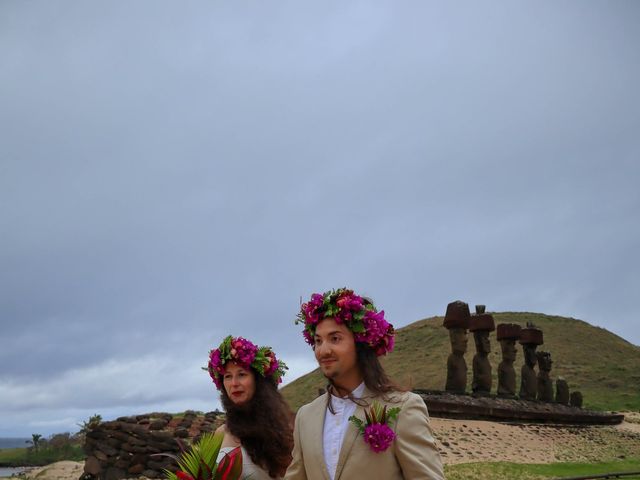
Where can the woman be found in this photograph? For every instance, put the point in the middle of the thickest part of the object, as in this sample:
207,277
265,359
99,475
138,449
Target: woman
258,418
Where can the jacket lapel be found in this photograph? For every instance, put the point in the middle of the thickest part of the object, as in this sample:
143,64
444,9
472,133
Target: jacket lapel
316,429
351,435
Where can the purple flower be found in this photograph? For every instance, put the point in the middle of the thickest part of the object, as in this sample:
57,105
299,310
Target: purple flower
378,332
273,364
350,301
386,344
308,337
349,309
378,436
243,352
215,367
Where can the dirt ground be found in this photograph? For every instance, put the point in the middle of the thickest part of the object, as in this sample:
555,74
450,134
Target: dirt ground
461,441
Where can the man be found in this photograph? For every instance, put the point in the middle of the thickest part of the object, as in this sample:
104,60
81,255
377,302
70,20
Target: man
348,334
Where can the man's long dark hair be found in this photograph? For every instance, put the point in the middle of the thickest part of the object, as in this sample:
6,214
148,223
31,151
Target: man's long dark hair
263,425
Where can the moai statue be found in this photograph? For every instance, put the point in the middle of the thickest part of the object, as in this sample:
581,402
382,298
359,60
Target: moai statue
576,399
545,384
507,334
562,391
456,320
481,324
530,338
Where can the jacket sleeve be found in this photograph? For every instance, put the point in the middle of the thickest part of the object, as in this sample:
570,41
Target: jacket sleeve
296,470
415,447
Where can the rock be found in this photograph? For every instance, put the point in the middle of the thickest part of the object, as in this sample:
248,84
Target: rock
136,469
113,473
158,424
100,455
92,465
128,419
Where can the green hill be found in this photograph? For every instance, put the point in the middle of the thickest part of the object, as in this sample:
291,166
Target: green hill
603,366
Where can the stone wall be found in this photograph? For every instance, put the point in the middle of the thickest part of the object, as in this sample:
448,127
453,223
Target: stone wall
125,448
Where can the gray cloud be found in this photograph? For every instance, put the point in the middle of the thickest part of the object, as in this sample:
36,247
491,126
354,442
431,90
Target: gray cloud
170,174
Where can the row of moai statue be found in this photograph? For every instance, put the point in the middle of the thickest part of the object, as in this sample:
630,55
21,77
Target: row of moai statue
532,386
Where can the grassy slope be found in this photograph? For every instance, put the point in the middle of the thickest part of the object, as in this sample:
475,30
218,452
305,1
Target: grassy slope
508,471
603,366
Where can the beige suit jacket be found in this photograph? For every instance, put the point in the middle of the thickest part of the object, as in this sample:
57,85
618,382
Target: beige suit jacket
412,456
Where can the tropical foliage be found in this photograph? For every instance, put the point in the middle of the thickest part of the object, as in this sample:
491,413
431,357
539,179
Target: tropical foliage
199,461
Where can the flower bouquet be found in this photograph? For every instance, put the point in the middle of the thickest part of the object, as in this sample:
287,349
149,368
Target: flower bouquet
376,431
199,461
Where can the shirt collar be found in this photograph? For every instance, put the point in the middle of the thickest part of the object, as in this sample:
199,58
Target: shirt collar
357,393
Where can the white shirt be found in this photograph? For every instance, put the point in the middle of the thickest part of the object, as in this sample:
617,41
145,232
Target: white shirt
335,426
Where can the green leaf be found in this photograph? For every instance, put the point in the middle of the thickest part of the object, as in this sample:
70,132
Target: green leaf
201,458
392,414
169,475
377,412
357,422
357,327
368,417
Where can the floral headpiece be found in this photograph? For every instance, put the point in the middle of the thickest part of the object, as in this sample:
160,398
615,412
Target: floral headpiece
247,355
357,313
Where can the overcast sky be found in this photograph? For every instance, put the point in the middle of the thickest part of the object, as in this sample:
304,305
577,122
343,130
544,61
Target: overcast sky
173,172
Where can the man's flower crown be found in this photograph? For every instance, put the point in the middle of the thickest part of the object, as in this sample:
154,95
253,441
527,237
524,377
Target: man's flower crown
246,354
357,313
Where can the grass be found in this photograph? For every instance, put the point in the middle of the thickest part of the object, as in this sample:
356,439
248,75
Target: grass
603,366
25,457
10,456
508,471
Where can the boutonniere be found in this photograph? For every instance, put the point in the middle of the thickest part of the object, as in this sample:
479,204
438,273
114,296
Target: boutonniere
376,431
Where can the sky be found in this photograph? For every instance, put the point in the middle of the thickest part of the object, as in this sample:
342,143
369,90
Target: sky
174,172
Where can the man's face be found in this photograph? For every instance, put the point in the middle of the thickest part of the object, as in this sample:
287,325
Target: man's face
335,350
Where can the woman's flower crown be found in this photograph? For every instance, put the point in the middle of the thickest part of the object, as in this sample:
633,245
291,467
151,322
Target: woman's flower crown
357,313
246,354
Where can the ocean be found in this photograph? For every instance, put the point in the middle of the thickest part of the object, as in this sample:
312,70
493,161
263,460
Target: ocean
7,472
13,442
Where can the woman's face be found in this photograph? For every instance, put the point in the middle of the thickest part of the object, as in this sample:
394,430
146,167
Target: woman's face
239,383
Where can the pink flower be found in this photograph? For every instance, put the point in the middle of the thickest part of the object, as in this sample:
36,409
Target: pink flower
215,367
307,336
378,436
385,345
350,301
378,332
349,309
273,364
243,352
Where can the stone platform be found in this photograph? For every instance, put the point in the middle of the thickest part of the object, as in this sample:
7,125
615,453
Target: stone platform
448,405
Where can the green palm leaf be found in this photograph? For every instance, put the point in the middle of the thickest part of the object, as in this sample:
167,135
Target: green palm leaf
200,460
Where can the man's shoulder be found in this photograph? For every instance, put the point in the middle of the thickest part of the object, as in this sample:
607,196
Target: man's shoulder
395,397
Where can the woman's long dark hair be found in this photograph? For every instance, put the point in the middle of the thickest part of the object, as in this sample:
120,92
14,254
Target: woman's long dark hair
263,425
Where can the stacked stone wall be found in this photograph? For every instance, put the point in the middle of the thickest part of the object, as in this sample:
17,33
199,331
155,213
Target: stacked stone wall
127,447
